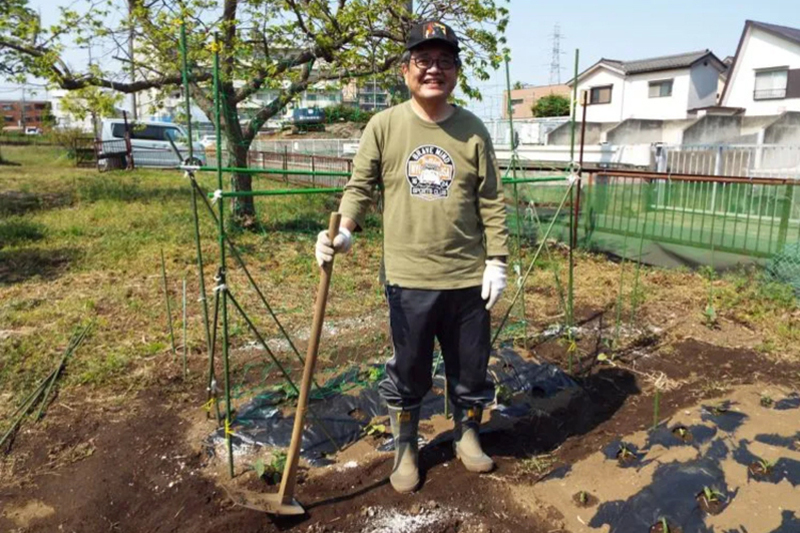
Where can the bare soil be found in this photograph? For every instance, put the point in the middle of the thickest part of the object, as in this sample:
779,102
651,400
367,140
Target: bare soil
117,464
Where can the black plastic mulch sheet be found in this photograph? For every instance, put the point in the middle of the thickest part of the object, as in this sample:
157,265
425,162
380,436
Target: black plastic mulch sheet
261,421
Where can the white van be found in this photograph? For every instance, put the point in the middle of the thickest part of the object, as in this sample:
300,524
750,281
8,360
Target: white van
150,142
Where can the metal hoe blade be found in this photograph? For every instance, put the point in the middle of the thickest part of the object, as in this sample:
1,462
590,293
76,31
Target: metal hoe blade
266,503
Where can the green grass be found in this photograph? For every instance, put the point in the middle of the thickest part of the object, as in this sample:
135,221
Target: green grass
17,230
78,245
95,253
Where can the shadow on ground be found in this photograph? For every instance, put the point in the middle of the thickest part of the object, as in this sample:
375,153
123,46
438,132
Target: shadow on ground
21,265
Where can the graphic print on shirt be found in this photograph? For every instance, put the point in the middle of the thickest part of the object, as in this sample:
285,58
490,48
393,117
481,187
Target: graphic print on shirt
430,171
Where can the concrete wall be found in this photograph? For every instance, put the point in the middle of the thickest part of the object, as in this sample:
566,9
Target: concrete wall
635,131
639,155
704,84
709,129
785,130
638,103
611,112
672,130
761,50
563,134
530,131
712,129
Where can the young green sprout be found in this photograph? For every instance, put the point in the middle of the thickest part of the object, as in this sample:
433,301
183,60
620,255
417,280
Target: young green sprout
583,497
625,452
766,465
719,409
766,400
260,467
710,316
375,373
375,429
712,495
682,431
664,525
504,395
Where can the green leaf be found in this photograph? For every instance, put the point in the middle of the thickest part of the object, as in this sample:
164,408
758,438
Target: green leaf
260,467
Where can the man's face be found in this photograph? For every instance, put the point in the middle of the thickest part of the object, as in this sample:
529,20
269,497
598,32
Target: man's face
431,74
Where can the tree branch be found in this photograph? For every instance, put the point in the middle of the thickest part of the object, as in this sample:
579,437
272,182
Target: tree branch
278,103
388,63
255,84
300,21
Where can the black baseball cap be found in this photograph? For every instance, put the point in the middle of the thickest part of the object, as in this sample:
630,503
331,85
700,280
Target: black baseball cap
432,30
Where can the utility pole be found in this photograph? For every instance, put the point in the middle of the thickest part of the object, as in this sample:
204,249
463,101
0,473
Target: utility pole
94,115
132,57
22,111
374,90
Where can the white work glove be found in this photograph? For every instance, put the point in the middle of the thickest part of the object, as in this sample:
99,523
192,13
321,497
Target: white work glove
324,249
494,282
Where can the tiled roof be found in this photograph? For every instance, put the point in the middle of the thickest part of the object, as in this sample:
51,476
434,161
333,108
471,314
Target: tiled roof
663,63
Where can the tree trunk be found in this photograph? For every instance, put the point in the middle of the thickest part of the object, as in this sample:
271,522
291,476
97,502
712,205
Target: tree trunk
244,210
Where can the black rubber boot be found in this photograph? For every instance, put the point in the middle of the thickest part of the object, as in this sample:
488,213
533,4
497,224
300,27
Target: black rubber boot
405,424
466,441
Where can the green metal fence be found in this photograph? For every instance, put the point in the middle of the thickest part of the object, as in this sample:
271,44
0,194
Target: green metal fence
754,219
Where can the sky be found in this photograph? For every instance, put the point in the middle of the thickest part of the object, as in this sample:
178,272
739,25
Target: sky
615,29
624,30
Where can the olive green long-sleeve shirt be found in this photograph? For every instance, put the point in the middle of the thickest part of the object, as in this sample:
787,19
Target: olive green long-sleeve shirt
444,212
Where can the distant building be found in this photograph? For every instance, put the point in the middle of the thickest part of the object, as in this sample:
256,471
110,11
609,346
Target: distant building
659,88
66,120
522,100
171,107
372,97
764,77
21,114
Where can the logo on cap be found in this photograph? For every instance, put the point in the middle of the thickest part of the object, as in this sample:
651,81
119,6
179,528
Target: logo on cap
435,29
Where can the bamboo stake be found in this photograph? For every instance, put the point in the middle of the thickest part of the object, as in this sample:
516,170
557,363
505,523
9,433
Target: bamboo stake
73,345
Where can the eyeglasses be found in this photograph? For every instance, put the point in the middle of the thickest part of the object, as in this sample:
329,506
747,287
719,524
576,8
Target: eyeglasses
443,62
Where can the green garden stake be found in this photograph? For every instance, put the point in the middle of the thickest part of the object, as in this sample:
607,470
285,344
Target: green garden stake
169,308
221,288
570,280
184,328
531,265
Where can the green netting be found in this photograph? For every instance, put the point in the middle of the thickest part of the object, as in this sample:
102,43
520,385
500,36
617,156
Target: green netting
670,223
784,267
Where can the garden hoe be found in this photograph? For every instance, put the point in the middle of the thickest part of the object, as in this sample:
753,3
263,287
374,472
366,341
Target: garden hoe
283,503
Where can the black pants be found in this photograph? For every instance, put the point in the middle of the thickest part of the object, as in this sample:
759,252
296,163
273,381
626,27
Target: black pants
459,320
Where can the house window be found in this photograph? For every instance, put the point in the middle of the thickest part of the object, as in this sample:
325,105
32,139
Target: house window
517,101
660,89
771,84
9,118
8,107
600,95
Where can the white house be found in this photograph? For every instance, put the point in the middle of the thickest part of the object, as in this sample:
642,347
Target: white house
765,76
65,119
659,88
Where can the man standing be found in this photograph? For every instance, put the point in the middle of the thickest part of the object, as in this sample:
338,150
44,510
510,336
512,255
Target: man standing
445,245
